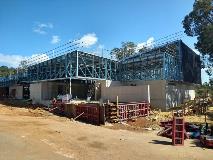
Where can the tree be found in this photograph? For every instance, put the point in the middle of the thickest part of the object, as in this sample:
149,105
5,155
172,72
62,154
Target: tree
22,66
199,23
205,90
127,49
5,71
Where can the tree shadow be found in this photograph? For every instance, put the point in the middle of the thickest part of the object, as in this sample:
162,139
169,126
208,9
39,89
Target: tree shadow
210,115
27,104
21,103
196,143
161,142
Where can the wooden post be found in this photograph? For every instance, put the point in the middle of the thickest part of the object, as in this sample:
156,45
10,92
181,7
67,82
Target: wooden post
117,108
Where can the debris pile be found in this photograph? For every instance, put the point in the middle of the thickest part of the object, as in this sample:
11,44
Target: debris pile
198,106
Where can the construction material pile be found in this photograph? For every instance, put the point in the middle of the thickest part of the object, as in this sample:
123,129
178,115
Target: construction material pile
198,106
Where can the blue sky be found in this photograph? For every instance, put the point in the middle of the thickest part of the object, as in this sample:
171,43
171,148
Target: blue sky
29,27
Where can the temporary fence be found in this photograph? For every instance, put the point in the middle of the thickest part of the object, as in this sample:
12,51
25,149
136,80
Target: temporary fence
94,113
126,111
133,110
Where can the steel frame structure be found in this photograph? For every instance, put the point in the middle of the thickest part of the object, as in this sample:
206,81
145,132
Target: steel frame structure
73,65
171,61
159,63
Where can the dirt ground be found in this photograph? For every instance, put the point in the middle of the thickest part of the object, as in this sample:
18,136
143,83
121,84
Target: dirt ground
32,134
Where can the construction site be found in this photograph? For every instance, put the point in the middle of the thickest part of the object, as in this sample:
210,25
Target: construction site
136,105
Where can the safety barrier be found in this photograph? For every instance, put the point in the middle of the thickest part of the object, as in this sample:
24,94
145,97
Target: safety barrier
133,110
89,113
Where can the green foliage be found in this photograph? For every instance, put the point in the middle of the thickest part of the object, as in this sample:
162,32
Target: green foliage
205,90
5,71
22,66
199,22
127,49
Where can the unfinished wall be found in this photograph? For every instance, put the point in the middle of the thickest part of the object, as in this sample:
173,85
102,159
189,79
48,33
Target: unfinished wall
16,91
35,92
110,91
49,90
43,92
157,91
163,94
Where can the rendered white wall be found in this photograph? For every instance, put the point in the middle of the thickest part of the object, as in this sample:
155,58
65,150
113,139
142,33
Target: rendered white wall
110,91
156,89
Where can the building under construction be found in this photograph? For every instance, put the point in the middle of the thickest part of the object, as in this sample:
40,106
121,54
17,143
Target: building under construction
165,75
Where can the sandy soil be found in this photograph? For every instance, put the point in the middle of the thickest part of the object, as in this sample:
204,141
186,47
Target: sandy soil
27,134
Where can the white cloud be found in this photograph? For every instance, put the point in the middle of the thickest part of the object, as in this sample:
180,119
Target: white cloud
149,44
41,28
140,45
88,40
10,60
55,39
13,60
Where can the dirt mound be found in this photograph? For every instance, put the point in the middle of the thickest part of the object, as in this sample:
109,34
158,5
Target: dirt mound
15,111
